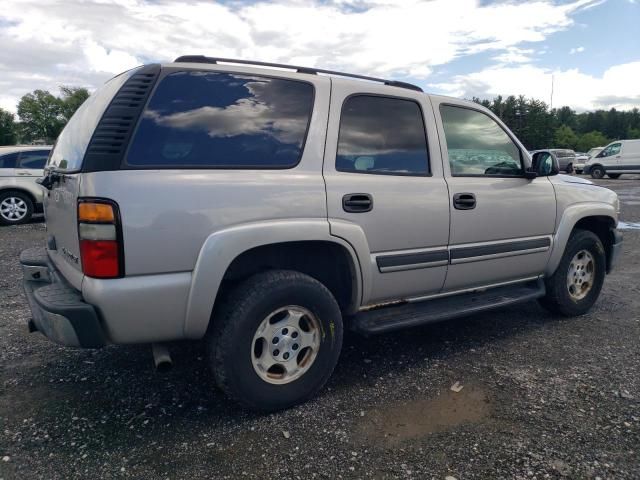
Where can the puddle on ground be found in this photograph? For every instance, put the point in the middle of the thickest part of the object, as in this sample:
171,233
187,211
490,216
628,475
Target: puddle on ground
628,225
393,424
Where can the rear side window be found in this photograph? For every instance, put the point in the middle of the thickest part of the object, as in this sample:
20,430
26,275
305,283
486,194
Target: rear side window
34,159
72,143
223,120
477,145
382,135
9,160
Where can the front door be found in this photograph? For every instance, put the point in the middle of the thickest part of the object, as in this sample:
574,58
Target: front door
501,222
385,188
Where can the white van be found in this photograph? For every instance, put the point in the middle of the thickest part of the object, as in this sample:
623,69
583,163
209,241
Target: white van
621,156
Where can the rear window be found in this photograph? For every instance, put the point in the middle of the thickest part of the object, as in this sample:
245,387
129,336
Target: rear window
34,159
74,139
223,120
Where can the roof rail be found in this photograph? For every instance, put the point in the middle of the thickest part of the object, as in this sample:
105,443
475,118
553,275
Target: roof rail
312,71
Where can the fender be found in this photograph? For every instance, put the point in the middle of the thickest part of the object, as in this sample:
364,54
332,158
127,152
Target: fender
224,246
572,215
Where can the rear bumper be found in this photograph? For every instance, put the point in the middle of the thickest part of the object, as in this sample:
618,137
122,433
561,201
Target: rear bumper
616,248
58,310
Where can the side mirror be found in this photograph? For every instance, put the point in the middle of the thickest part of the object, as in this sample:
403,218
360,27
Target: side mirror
544,164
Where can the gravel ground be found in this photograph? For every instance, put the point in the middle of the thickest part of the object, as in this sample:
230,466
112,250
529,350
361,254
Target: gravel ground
542,397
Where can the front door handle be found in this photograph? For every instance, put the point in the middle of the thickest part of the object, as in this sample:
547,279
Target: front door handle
22,172
357,202
464,201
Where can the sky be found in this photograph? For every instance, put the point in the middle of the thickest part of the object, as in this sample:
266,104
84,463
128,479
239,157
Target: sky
462,48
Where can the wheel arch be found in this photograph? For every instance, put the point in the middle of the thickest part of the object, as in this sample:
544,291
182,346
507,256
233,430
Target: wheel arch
598,218
234,254
13,188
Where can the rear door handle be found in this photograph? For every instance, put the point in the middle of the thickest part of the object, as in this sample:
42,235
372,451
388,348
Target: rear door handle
22,172
357,202
464,201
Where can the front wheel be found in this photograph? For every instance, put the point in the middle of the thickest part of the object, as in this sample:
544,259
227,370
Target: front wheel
575,286
275,340
597,172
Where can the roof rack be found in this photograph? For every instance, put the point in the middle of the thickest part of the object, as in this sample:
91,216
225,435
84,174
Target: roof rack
312,71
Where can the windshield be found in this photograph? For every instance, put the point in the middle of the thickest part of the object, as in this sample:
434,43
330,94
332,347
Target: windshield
74,139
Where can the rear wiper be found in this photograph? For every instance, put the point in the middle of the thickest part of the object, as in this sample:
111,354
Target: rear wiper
49,179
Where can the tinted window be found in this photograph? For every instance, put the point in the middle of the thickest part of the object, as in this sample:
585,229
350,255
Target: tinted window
74,139
9,160
477,145
223,120
382,135
35,159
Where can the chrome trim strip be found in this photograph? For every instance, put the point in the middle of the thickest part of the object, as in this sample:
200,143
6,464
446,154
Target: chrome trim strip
413,266
512,253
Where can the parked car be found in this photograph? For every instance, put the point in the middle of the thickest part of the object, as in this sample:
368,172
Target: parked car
582,159
265,209
20,195
617,158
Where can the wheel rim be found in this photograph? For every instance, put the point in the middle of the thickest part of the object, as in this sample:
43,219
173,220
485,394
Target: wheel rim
285,344
581,275
13,209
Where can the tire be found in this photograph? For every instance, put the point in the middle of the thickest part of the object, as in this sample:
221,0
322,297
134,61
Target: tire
559,298
238,348
597,171
614,175
569,168
15,208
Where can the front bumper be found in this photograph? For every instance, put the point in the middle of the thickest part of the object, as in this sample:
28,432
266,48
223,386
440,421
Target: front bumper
58,309
616,248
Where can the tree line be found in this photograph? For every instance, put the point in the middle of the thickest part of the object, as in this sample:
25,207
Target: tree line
42,116
537,126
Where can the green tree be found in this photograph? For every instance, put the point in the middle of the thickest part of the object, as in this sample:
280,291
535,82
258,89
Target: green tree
7,128
565,137
40,116
587,141
72,98
633,133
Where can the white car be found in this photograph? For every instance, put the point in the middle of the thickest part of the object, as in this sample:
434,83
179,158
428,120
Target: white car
20,195
621,156
581,159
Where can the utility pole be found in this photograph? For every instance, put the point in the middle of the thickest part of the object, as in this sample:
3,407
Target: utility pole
551,106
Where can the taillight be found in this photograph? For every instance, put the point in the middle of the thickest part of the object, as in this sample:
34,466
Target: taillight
100,238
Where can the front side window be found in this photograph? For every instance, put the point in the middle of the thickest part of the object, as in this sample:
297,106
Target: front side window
35,159
477,145
612,149
9,160
209,119
382,135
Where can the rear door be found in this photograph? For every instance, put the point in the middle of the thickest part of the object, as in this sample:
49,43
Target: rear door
384,178
501,222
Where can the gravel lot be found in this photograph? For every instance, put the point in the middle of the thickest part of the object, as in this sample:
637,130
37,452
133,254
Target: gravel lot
542,397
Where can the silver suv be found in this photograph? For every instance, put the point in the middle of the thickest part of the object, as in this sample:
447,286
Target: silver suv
265,209
20,195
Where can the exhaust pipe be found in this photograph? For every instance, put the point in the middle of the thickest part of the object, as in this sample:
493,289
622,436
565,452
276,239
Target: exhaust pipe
161,357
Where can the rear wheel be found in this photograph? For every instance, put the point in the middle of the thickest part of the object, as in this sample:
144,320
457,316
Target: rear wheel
569,168
575,286
597,171
614,175
15,208
275,340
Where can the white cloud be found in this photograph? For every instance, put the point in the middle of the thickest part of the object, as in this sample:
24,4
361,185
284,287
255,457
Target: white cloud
617,87
576,50
83,42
